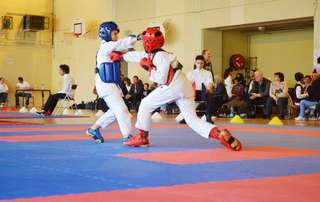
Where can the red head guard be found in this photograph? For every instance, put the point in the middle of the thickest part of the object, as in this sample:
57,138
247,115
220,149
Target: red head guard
152,39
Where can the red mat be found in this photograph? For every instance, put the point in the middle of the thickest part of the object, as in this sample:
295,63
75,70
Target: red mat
17,123
220,155
53,128
45,138
275,131
302,188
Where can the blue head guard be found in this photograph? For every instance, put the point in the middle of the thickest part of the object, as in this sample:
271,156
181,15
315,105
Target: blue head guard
105,30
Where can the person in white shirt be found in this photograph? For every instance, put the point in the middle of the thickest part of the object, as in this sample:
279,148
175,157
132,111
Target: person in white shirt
228,81
3,91
52,101
200,78
22,85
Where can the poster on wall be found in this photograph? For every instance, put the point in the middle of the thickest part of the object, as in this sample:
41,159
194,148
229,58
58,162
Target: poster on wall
316,60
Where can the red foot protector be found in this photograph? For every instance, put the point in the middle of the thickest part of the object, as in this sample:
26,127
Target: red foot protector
138,140
275,189
221,155
45,138
231,142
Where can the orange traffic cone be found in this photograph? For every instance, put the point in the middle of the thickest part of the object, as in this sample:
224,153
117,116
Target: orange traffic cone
13,109
4,108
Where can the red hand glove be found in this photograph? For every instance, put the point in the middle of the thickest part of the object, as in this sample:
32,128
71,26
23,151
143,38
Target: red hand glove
146,64
116,56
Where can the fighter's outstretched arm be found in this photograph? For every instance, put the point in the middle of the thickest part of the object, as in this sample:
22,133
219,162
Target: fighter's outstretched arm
121,45
134,56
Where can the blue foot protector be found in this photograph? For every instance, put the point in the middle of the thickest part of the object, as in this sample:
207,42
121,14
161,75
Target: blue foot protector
96,135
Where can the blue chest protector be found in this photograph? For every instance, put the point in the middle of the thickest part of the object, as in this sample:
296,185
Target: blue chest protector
109,72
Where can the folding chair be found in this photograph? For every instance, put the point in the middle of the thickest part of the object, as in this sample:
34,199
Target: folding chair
67,102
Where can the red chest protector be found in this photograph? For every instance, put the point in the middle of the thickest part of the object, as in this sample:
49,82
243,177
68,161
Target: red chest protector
147,64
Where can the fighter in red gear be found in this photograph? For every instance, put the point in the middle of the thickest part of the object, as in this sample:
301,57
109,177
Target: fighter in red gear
165,70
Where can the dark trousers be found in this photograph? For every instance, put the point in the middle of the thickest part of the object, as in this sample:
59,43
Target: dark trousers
253,103
282,104
3,97
201,95
133,102
52,102
213,105
24,95
318,110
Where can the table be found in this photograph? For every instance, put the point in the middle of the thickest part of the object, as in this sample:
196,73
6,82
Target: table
36,90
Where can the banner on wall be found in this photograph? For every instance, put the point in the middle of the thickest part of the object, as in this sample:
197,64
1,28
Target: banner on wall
316,60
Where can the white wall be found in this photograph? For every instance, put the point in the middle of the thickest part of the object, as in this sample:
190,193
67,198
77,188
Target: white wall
187,19
26,54
79,53
212,40
287,52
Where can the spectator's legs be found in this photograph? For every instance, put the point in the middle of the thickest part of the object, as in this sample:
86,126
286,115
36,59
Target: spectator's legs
198,94
17,95
52,102
269,104
27,96
282,104
318,110
263,101
213,106
305,104
3,97
251,107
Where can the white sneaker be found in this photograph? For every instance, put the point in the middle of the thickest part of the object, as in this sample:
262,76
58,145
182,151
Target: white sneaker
299,118
23,110
33,110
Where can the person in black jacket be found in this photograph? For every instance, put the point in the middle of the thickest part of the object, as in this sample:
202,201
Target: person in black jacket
259,93
146,90
312,100
135,93
299,89
216,98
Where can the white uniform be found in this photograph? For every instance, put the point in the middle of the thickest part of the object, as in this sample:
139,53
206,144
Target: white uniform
179,91
67,85
228,84
199,77
3,88
111,92
23,86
